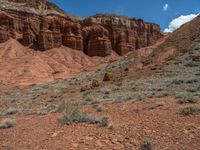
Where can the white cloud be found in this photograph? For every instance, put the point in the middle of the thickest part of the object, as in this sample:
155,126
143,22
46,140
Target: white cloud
165,7
177,22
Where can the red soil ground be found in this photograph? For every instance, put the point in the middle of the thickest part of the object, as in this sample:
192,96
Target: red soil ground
156,119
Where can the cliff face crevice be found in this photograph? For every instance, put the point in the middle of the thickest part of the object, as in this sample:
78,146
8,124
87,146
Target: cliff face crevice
95,36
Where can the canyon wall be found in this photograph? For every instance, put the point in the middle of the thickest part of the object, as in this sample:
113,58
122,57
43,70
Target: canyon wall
95,36
125,34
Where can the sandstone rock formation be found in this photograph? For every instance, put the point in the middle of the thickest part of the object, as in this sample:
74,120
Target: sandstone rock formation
95,36
96,41
72,36
126,34
49,35
6,26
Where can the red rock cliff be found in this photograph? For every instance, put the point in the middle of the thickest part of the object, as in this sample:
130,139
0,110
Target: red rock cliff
126,34
96,36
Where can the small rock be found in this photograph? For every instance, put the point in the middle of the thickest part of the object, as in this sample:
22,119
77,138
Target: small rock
75,145
99,144
54,134
186,131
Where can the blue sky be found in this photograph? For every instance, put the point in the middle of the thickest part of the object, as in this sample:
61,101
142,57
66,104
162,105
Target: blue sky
149,10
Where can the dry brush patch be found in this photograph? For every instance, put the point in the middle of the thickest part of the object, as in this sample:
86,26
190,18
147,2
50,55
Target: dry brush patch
146,144
190,110
7,123
74,114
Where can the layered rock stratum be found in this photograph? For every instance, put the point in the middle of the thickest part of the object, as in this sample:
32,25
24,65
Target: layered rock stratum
42,25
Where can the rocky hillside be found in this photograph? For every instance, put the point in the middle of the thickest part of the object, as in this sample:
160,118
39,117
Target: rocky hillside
37,3
34,6
43,26
178,41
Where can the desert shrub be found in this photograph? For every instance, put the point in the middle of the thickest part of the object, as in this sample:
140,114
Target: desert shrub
147,61
7,123
197,74
89,101
41,113
73,114
2,113
141,97
85,88
11,111
45,86
68,107
191,81
146,144
34,96
186,100
106,91
159,89
124,98
162,94
181,95
98,70
191,64
71,108
103,121
186,97
192,89
82,117
51,106
60,107
106,97
87,93
191,110
177,81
